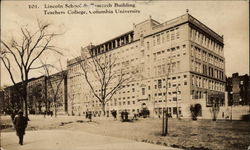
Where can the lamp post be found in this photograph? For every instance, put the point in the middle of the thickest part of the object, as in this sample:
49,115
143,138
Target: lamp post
177,109
231,106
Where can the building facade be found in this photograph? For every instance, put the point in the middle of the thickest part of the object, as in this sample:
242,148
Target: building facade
57,93
238,89
13,97
2,103
177,63
41,94
37,95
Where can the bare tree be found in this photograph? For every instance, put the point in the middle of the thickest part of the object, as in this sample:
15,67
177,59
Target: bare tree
104,75
23,53
54,82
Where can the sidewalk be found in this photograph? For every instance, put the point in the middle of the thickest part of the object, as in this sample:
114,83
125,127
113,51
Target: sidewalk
71,140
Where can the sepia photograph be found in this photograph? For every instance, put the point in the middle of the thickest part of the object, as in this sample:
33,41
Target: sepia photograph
124,75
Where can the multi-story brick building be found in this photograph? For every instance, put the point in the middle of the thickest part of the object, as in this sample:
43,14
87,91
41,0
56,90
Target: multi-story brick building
37,95
13,97
238,89
180,63
41,91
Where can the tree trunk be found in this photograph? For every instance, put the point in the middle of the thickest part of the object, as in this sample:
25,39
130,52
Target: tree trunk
103,109
54,107
25,97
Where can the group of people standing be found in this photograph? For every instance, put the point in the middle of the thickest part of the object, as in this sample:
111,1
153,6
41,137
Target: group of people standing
124,115
48,113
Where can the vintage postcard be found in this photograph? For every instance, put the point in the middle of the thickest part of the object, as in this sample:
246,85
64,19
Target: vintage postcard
81,74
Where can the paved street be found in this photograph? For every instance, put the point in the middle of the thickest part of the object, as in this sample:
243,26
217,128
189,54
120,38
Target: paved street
71,140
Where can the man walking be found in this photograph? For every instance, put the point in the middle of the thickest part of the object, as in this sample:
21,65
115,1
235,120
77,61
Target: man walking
20,123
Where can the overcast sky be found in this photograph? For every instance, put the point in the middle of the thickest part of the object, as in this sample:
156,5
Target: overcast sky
228,18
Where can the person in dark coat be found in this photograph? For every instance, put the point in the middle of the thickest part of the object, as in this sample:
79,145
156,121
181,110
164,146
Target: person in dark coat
122,115
126,115
20,123
90,116
87,115
115,114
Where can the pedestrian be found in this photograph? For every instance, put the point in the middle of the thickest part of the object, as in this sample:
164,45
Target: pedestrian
122,116
20,123
115,114
90,116
86,115
126,115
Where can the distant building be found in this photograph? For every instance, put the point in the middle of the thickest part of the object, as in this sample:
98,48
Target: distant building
13,97
2,103
182,55
57,90
238,89
37,92
41,91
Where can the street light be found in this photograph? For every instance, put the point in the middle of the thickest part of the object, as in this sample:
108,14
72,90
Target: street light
177,109
231,106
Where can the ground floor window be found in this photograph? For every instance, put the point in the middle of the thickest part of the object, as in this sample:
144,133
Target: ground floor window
174,110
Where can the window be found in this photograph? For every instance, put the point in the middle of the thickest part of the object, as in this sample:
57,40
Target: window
173,49
174,110
158,40
172,35
167,36
169,85
163,69
159,84
163,38
143,91
142,39
177,33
